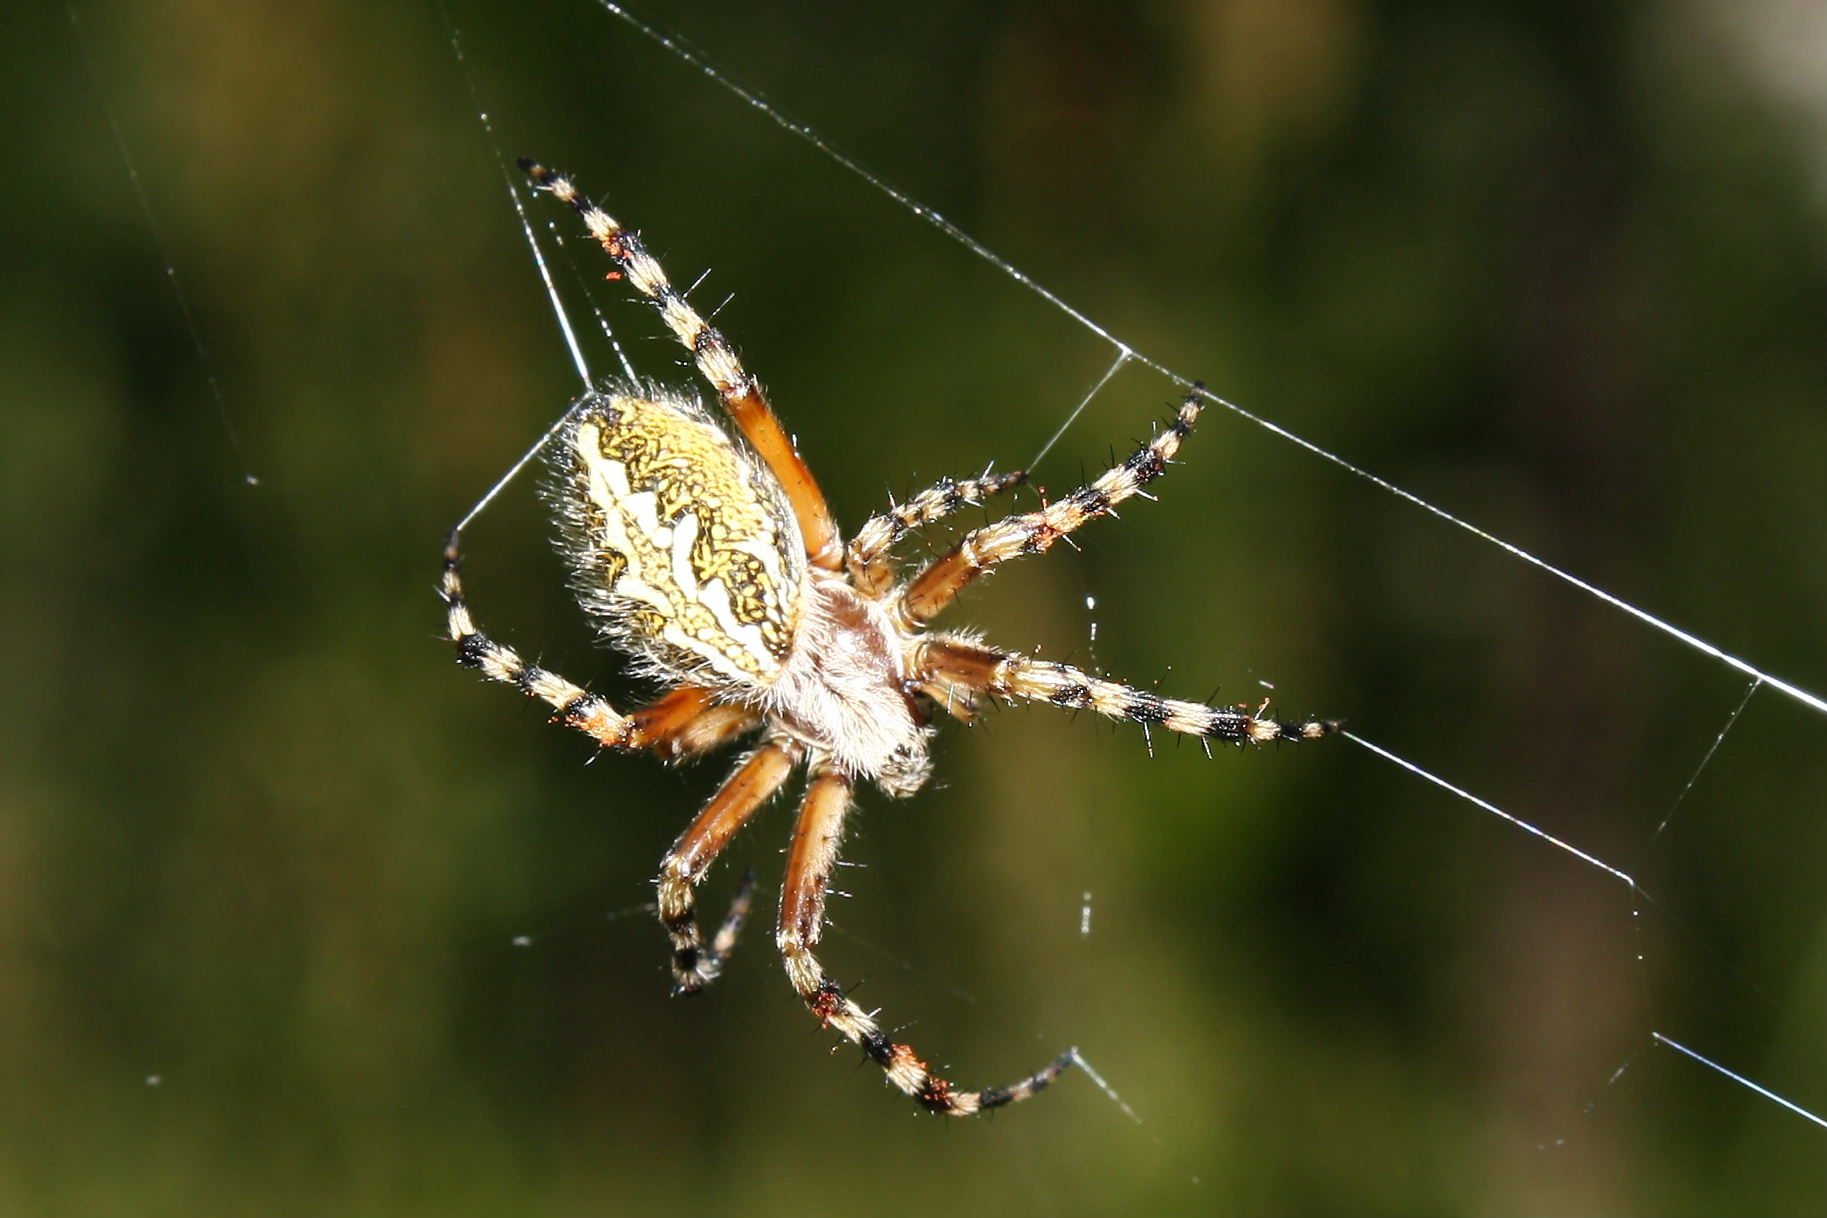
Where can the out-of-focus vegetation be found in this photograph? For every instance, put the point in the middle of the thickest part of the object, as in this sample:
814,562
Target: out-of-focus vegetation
296,917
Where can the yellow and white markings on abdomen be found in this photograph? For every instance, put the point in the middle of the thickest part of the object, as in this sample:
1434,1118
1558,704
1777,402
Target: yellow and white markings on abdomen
684,545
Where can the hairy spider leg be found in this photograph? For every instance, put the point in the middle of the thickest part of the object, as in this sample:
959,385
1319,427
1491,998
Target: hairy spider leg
680,724
802,915
756,778
740,392
982,550
871,568
688,721
950,664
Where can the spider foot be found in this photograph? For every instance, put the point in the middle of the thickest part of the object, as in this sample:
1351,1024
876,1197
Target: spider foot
940,1097
1028,1086
1262,729
694,965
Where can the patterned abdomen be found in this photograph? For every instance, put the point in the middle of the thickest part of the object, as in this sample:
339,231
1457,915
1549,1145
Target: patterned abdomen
681,544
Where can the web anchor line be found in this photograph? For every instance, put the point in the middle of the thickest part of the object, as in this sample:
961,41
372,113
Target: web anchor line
1116,365
1517,821
1688,787
1616,873
572,344
1127,351
205,360
1741,1080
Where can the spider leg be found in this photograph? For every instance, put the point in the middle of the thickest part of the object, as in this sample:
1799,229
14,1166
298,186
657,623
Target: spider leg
760,774
981,550
949,663
871,571
740,393
686,722
681,724
802,914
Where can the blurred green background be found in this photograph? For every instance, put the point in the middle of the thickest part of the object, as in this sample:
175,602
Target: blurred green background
296,917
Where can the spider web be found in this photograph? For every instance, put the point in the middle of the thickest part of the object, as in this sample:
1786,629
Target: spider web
1636,900
1692,1026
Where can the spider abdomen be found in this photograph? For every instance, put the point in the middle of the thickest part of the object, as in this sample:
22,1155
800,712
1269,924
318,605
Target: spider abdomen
681,544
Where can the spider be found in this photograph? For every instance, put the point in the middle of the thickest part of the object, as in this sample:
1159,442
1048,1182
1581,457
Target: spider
712,560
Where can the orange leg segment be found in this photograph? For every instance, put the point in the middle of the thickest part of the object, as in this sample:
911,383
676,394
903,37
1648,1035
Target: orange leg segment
695,965
739,392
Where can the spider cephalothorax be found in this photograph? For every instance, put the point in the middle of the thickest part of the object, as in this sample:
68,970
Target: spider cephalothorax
712,559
